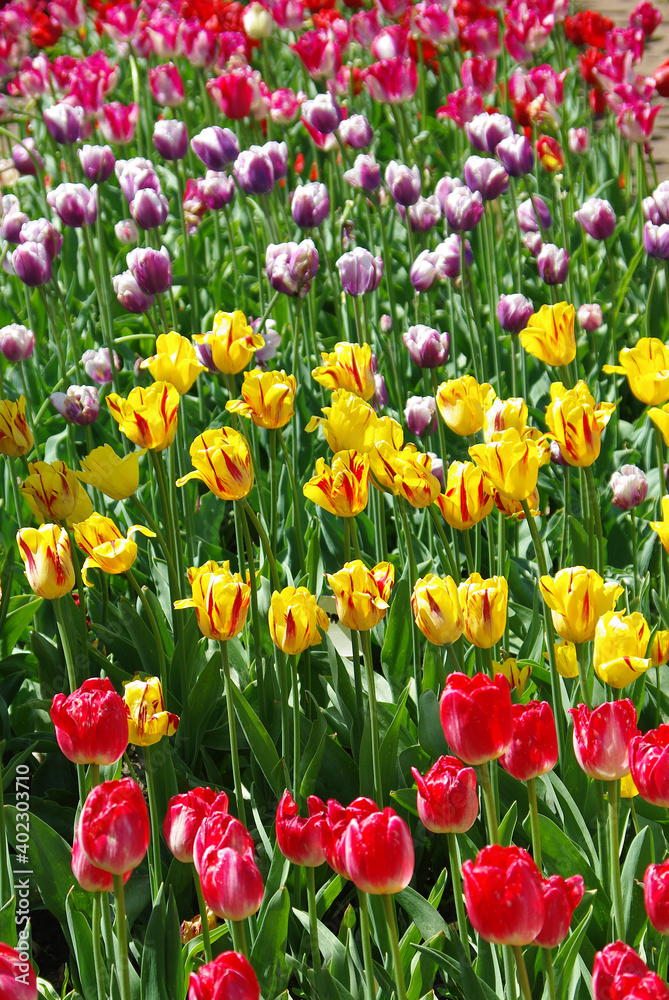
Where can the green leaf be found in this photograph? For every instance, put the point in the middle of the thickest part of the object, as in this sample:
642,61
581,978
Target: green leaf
427,919
508,825
568,953
629,872
389,745
202,701
82,946
259,740
20,612
156,946
6,585
269,945
397,648
430,730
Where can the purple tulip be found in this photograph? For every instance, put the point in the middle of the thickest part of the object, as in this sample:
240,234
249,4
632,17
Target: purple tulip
527,213
427,347
359,271
290,267
272,339
151,269
278,154
11,225
356,132
365,173
557,458
42,231
32,263
487,176
310,205
656,240
486,131
129,294
424,215
170,139
216,147
463,209
651,211
127,232
322,113
403,183
97,162
79,405
444,187
516,155
437,468
629,487
17,342
380,390
533,242
597,218
149,209
420,414
26,158
553,264
97,365
254,171
661,200
218,189
590,316
134,175
450,256
64,123
513,312
425,270
74,204
385,323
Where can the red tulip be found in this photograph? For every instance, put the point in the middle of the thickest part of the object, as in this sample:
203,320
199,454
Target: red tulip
616,971
392,81
378,853
185,814
89,877
301,840
651,987
602,738
118,122
233,93
476,716
649,765
17,976
114,826
220,829
503,895
656,896
338,819
447,800
229,977
561,897
91,723
232,885
534,748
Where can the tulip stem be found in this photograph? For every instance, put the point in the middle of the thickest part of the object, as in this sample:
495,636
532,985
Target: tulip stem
413,574
238,936
155,527
614,851
296,506
534,821
391,924
583,673
373,718
483,771
297,748
444,541
232,726
522,972
153,625
370,980
549,972
262,534
255,620
97,950
274,488
65,640
202,906
155,868
594,506
122,966
456,879
313,925
659,451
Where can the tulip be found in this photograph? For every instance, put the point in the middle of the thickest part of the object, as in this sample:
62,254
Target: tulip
534,748
365,173
310,205
301,840
476,716
436,609
17,342
12,225
343,488
148,721
420,414
17,976
486,131
118,122
294,620
649,765
362,595
553,264
170,140
290,267
64,123
503,895
406,473
218,189
533,215
232,886
229,975
89,877
220,829
15,436
360,272
221,600
51,490
514,312
97,364
447,801
427,347
463,209
566,659
136,174
515,675
511,462
597,217
148,417
348,367
466,499
656,896
254,171
216,147
579,141
578,597
222,461
185,814
79,405
590,317
620,648
267,398
32,263
175,362
129,294
105,547
656,241
577,423
617,969
47,557
91,723
549,334
114,826
506,414
516,155
483,604
322,113
561,897
646,366
403,183
151,269
486,176
232,342
27,158
74,204
378,853
356,132
166,85
338,819
116,477
602,738
462,403
349,423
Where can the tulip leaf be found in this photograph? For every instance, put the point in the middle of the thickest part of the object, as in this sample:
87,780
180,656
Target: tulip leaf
397,648
313,756
204,696
459,969
20,612
427,919
628,875
389,746
82,946
508,825
563,857
260,741
8,922
153,982
568,953
329,943
141,635
430,730
6,584
268,953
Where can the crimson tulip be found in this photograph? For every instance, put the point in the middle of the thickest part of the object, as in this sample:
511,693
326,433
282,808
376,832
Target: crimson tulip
447,800
476,716
503,895
114,826
17,976
338,818
561,897
232,885
184,816
602,738
649,765
301,840
378,853
220,829
656,896
89,877
534,748
91,723
617,969
229,977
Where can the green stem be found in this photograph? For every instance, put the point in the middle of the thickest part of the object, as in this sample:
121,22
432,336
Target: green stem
444,541
297,748
156,868
122,966
614,851
296,505
413,574
391,924
255,619
549,972
232,726
534,821
202,906
153,625
453,857
160,538
581,659
262,534
238,936
594,506
274,488
483,771
313,925
97,950
373,716
522,973
370,981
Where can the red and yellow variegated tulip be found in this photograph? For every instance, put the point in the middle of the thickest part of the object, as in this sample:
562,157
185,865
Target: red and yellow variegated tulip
342,488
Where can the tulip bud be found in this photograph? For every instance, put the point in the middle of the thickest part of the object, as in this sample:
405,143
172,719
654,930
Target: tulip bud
533,749
361,594
534,215
290,267
218,189
97,162
602,738
579,141
590,317
516,155
359,271
64,122
356,132
216,147
75,204
167,88
310,205
484,175
17,342
26,158
258,21
47,556
148,721
420,414
12,225
403,183
436,609
91,723
463,209
629,487
365,173
514,312
232,885
151,269
127,232
484,604
486,131
476,716
114,826
44,232
427,347
32,264
229,975
378,853
322,113
170,139
561,897
254,171
597,218
149,209
656,896
301,840
447,800
503,895
79,405
553,264
294,620
129,294
185,814
656,241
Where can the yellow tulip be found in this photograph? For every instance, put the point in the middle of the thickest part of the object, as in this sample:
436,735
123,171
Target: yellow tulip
106,471
220,598
15,436
511,463
515,675
105,547
659,649
627,787
148,417
662,527
621,642
462,403
223,462
175,361
577,422
646,366
294,620
148,721
348,425
362,594
268,398
348,367
504,414
406,473
484,604
389,431
466,499
53,491
47,557
566,659
578,597
343,488
660,417
232,342
436,609
514,508
549,334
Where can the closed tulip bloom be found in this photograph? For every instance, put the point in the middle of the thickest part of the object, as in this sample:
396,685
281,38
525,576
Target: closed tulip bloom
114,826
602,738
349,423
616,971
79,405
447,799
646,366
656,896
578,597
597,217
561,897
486,176
590,316
362,594
51,490
483,604
91,723
348,367
629,487
148,721
294,620
511,463
566,659
32,263
463,209
360,271
649,765
89,877
338,819
222,462
503,895
378,853
170,139
232,342
420,414
230,975
148,417
516,675
106,471
64,123
514,312
232,886
577,423
219,829
216,147
221,600
17,976
476,716
17,342
47,557
428,348
462,403
365,173
436,609
403,183
342,488
301,839
290,267
406,473
151,269
621,642
175,362
549,334
129,295
267,398
15,436
105,547
185,814
659,650
534,748
74,204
